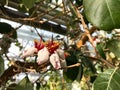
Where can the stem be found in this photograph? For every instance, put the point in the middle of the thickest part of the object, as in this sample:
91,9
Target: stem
7,57
107,63
102,60
74,65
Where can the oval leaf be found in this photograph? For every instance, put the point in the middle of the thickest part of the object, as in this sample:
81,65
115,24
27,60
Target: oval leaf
24,84
108,80
100,50
104,14
114,46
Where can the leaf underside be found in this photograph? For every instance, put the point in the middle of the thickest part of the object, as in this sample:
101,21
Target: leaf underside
104,14
24,84
108,80
114,46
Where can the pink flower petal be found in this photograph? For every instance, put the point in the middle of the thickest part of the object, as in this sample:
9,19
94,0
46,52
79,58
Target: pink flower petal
55,61
29,52
43,56
62,59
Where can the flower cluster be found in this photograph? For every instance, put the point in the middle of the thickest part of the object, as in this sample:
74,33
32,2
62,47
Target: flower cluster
47,51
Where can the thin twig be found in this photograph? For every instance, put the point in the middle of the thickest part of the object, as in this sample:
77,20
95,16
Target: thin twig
38,33
102,60
18,27
35,18
7,57
74,65
35,10
22,68
85,38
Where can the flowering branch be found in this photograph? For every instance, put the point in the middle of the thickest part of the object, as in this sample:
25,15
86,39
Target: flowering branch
17,66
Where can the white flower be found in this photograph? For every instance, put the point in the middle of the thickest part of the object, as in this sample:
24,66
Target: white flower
63,65
29,52
55,60
62,58
43,56
61,53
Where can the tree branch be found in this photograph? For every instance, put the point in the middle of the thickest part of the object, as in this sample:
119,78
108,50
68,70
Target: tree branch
19,66
23,19
85,38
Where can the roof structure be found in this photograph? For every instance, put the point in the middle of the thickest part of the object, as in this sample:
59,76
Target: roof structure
45,14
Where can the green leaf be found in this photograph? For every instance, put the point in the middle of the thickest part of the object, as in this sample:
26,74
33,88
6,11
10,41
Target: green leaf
11,86
5,28
80,73
114,46
1,65
79,2
104,14
24,84
22,8
72,9
108,80
29,3
100,50
71,73
88,63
